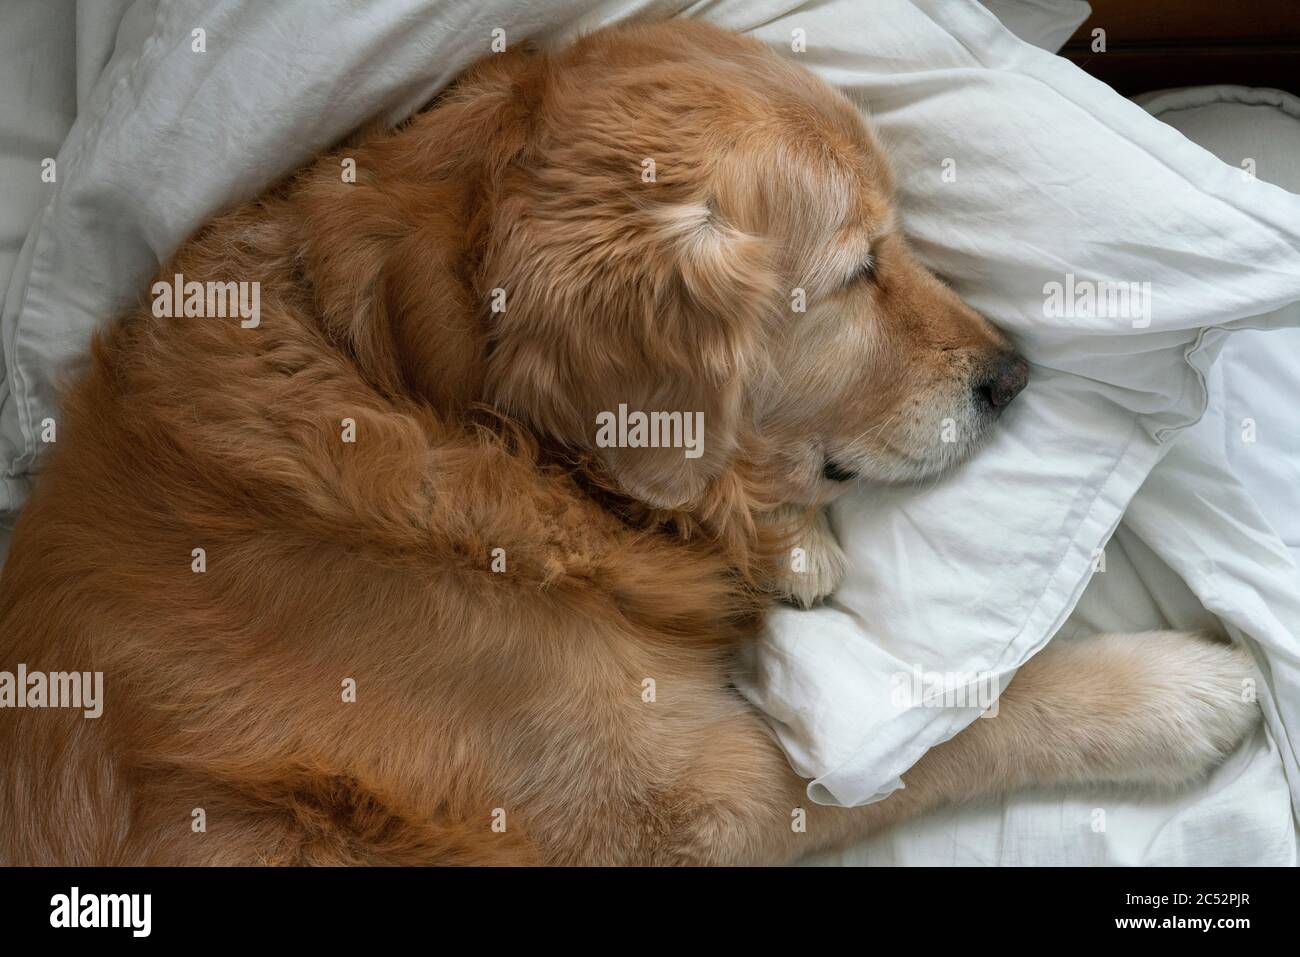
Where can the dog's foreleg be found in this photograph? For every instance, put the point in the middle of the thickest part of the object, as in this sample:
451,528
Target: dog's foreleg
814,565
1155,709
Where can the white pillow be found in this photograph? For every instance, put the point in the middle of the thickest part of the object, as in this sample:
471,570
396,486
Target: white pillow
1044,23
1259,130
1015,170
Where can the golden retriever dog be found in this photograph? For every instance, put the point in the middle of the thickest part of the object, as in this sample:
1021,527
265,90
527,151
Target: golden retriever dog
399,575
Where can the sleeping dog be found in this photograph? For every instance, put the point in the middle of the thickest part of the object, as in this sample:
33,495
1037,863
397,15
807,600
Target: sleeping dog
423,567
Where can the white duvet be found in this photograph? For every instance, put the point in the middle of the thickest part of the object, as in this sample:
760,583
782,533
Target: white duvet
1018,176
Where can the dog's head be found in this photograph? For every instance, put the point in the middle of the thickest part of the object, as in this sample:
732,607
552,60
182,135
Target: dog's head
695,231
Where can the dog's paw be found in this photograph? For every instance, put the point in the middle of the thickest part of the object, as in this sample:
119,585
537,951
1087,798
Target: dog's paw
1194,703
1215,707
814,567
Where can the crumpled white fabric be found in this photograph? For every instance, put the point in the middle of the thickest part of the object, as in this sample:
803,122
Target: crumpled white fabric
1014,170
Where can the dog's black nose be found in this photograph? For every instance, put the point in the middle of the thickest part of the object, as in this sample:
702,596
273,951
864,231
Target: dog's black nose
1002,381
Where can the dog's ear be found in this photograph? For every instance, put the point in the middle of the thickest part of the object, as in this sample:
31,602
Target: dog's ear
627,327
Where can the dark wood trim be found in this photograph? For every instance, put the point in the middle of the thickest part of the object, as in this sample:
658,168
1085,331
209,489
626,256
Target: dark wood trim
1156,44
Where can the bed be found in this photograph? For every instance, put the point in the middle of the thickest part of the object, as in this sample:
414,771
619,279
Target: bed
1178,520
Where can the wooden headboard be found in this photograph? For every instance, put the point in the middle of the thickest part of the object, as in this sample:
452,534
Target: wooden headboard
1155,44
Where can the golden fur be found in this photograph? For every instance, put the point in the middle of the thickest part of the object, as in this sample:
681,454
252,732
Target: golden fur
518,696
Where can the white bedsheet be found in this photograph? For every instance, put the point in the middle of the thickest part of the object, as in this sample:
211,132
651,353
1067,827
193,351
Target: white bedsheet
38,102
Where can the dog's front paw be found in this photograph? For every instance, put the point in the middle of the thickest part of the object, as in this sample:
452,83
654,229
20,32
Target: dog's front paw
813,568
1194,703
1215,708
1158,708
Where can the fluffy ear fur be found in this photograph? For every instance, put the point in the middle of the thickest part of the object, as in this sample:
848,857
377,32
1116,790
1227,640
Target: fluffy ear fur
611,281
667,327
